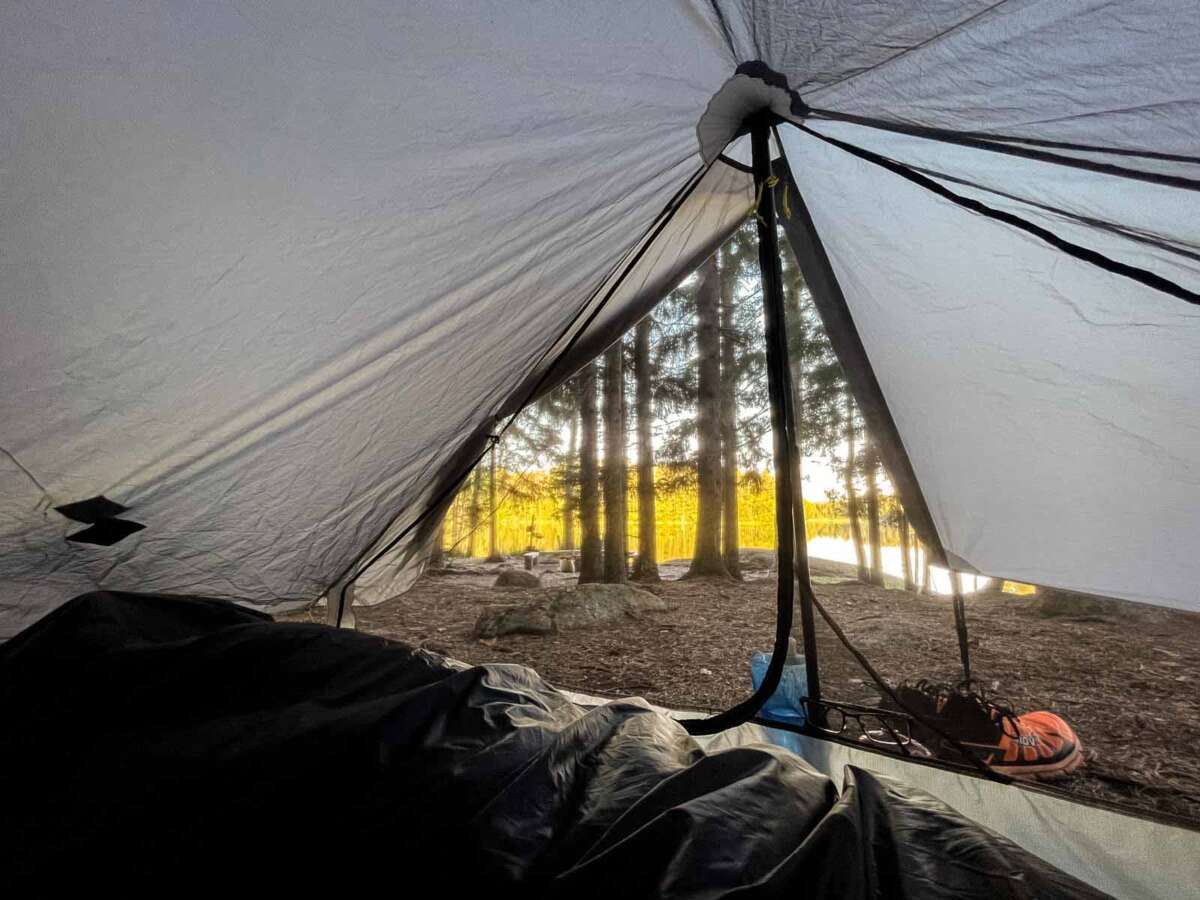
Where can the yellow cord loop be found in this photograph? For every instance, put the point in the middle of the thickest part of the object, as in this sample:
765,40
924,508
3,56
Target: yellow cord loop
770,182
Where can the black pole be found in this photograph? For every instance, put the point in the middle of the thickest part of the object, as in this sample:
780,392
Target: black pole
789,495
960,626
787,492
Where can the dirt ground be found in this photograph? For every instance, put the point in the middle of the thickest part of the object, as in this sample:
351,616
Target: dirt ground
1126,680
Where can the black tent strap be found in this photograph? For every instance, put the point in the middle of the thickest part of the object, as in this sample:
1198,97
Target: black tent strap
779,389
637,251
1140,236
960,627
1085,254
1028,148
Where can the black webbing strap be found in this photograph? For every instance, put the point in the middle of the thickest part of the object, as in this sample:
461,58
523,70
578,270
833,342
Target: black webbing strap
783,427
1085,254
960,626
1032,148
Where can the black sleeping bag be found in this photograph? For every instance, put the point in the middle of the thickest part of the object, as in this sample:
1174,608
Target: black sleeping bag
177,744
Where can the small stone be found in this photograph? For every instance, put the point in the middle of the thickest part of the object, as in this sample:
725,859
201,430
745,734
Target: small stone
512,620
517,578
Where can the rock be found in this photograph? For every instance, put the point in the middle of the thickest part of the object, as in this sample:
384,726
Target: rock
577,607
1052,602
593,604
503,620
755,560
566,565
517,578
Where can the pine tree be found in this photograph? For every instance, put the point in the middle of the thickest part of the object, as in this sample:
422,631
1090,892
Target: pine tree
615,475
905,550
589,479
473,513
874,532
437,552
706,559
570,486
493,550
729,336
864,574
646,567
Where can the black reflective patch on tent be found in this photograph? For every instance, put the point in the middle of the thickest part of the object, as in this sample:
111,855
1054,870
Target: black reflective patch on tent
106,532
91,510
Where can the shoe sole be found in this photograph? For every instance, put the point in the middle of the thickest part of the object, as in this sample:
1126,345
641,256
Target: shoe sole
1046,771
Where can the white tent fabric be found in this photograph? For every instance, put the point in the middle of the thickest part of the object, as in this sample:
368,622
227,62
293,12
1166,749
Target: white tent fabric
271,274
266,270
1051,409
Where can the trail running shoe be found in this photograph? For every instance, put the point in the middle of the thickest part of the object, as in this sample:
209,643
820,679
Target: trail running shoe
1036,745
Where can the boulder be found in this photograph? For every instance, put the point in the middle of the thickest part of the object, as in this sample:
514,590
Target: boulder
753,559
594,604
501,620
517,578
577,607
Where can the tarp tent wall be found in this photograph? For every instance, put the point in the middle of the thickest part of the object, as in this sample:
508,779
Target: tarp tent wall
267,271
269,275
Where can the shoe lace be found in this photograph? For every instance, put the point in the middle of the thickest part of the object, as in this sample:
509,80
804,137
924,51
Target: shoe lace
996,708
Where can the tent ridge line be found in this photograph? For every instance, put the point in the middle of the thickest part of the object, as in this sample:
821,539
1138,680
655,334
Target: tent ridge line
1140,236
1078,251
1009,144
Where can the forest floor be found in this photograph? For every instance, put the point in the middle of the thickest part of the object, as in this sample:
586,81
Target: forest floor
1126,680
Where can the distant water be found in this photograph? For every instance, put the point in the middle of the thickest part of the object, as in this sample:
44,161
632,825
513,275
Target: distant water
842,550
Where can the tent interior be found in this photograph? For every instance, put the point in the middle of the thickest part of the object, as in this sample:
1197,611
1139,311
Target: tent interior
445,437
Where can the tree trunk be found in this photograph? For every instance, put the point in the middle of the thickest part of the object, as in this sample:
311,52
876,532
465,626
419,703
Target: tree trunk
797,337
493,551
473,512
589,479
437,553
569,486
905,548
852,497
874,537
728,399
615,475
646,568
706,559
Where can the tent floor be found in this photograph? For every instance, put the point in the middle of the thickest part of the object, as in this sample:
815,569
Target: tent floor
1125,680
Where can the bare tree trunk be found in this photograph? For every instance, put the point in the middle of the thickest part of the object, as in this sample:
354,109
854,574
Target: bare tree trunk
569,486
646,568
852,497
728,399
616,481
905,549
589,479
926,575
493,552
874,536
437,553
706,559
473,512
